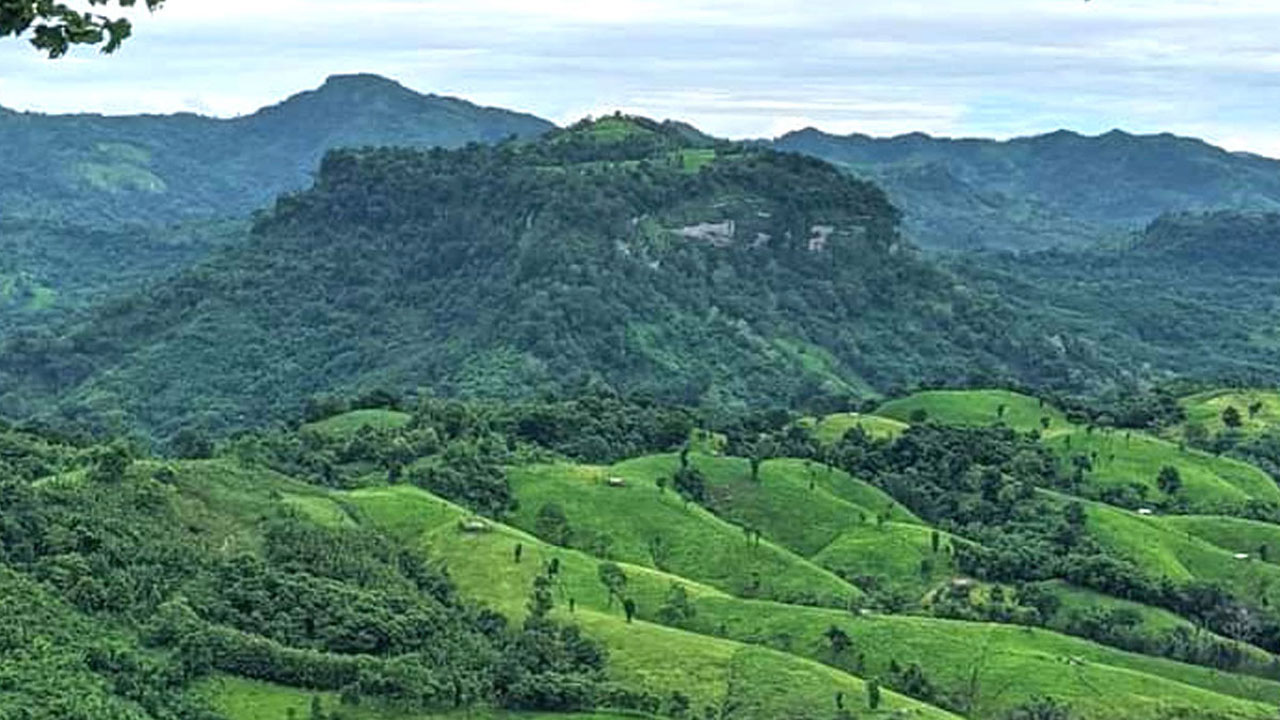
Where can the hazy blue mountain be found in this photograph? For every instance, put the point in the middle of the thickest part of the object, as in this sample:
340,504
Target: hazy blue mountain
1057,189
93,169
93,205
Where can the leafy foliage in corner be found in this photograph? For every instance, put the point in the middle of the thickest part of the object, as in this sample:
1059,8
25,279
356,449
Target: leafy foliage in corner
56,27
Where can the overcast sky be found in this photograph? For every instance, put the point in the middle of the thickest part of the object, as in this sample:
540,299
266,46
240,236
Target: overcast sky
1209,68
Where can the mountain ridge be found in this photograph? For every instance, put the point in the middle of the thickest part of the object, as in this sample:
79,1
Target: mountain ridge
166,168
1056,189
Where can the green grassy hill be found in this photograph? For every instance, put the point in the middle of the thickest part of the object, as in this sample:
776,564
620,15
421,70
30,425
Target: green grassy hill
640,524
1258,539
349,423
1166,549
1011,664
705,618
1258,410
828,429
1120,458
975,407
712,671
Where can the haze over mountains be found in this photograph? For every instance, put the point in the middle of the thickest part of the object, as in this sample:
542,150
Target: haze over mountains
1059,189
96,169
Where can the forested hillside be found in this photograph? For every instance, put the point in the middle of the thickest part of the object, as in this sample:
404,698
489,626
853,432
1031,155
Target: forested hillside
621,252
101,170
1193,296
973,554
1057,190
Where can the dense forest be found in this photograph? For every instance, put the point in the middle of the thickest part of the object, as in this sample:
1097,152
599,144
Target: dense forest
621,252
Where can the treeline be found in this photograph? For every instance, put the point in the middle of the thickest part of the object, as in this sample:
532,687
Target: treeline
458,449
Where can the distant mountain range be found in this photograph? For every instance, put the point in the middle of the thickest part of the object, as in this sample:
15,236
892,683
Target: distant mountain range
92,169
1059,189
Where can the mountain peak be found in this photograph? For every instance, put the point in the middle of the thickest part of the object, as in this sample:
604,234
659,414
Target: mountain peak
362,82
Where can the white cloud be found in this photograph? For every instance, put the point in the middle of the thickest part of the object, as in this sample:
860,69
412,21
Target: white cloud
739,68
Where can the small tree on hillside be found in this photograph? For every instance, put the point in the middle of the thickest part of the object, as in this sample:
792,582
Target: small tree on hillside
873,694
613,579
838,639
1169,480
553,525
1231,417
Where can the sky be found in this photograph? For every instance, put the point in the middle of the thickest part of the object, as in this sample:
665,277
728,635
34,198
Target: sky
740,68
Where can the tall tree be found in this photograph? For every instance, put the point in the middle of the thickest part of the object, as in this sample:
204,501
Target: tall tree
55,26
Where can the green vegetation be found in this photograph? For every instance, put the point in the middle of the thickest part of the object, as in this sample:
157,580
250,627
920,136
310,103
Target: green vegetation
1257,410
1045,191
352,422
975,407
669,584
725,288
1124,468
638,523
830,428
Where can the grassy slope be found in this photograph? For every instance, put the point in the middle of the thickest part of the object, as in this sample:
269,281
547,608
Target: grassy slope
642,655
1155,622
1019,661
975,407
1132,457
694,543
1161,549
829,429
1235,534
349,423
1206,409
832,522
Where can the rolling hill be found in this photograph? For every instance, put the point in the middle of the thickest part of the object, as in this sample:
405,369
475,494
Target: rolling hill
296,567
1060,189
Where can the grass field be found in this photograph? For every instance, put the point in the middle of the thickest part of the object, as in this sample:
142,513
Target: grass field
349,423
1012,663
1235,534
1205,409
1154,622
737,649
643,654
830,428
1160,549
976,408
639,524
241,699
1121,457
